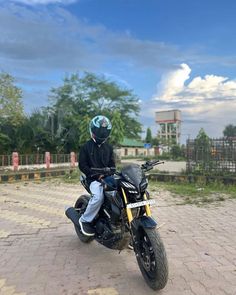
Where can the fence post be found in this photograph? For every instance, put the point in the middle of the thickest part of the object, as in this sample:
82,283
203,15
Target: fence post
15,161
72,159
47,159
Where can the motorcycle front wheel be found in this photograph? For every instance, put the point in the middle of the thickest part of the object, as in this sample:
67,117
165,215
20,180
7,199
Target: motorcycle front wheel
80,206
151,257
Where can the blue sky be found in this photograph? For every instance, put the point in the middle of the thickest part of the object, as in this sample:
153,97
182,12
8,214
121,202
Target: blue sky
173,54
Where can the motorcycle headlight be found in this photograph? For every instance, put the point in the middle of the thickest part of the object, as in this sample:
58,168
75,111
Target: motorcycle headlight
130,187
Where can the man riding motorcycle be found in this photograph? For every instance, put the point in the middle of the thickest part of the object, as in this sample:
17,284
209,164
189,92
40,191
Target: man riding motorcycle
116,209
96,153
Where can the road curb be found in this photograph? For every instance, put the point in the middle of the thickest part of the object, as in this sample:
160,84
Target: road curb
162,177
33,175
177,178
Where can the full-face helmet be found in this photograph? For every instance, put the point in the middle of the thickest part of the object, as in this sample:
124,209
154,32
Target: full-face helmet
100,129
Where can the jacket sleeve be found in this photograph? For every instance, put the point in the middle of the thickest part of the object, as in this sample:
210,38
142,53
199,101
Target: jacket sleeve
112,162
83,162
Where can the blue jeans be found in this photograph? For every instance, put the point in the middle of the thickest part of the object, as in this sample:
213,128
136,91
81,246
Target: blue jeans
95,202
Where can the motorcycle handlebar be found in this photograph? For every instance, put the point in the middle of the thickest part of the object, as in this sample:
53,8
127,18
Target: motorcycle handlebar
150,164
105,171
112,170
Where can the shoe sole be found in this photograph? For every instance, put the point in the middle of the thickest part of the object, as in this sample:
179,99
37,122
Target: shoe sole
83,232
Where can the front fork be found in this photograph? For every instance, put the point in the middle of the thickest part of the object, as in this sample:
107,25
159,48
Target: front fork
135,224
129,211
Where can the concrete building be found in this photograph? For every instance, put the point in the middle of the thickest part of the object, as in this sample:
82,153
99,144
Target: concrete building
170,126
134,148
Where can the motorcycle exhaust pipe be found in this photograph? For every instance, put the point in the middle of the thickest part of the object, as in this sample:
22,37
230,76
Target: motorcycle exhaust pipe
73,215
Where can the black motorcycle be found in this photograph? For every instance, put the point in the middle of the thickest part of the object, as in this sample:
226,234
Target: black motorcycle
125,217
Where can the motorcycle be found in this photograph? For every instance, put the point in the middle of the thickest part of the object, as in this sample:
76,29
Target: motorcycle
125,217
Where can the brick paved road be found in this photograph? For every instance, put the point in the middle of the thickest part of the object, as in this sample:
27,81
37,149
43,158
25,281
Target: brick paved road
41,254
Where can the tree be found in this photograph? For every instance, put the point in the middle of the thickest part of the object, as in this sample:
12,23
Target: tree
84,130
176,151
202,138
117,133
11,107
63,126
24,137
4,143
230,131
202,150
93,95
155,141
39,132
11,113
148,138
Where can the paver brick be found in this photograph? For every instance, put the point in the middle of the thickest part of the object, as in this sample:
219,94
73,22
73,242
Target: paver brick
41,253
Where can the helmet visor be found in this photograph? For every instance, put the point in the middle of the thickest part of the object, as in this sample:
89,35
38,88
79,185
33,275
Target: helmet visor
101,133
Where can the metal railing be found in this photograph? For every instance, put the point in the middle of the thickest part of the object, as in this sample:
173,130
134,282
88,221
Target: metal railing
215,156
60,158
31,159
5,160
35,159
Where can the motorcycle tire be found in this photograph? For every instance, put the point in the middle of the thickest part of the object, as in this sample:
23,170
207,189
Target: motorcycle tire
81,204
152,259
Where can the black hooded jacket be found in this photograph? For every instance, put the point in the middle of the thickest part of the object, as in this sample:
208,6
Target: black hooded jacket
94,156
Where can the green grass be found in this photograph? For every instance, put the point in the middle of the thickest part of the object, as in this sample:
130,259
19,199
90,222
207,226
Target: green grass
73,177
185,193
196,193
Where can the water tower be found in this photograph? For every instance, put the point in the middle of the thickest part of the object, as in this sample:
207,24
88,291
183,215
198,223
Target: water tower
170,126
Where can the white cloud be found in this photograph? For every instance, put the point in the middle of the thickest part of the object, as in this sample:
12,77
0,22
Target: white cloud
208,102
209,89
44,2
173,83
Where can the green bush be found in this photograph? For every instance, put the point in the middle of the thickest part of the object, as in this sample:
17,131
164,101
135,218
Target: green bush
72,177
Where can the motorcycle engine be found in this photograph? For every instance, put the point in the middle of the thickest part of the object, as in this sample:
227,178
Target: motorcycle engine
103,230
108,235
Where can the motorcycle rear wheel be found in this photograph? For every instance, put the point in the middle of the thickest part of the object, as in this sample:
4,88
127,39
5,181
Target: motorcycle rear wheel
81,204
152,260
